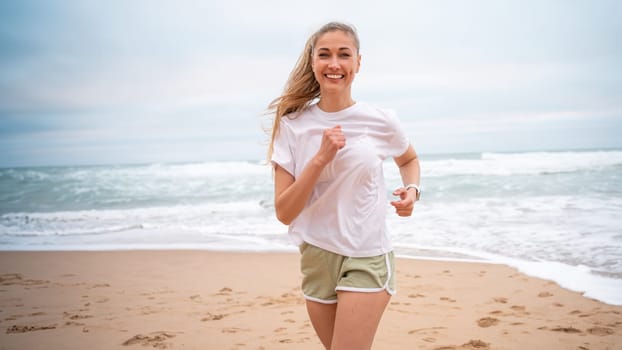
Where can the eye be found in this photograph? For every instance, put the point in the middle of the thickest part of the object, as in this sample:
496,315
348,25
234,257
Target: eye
323,55
345,55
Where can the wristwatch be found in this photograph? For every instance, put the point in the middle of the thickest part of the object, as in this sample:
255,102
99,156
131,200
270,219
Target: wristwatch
417,189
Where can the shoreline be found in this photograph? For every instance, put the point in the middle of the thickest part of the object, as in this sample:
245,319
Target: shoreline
233,300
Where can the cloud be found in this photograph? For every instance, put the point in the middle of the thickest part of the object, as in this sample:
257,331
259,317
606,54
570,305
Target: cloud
157,73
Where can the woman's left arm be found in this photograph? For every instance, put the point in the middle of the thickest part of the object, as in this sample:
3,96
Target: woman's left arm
408,164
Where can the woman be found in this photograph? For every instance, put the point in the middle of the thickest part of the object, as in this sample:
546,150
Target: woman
327,151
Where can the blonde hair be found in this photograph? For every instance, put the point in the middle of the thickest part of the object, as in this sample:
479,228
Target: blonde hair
301,87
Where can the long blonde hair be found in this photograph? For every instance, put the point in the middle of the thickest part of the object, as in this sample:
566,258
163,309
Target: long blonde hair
301,88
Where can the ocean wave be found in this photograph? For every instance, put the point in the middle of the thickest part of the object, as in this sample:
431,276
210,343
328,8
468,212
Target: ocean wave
121,187
528,163
211,217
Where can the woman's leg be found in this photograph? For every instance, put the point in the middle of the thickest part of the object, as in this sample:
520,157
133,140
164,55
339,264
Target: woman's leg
357,318
323,319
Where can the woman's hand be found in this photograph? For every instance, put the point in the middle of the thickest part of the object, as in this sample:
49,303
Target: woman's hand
333,140
406,204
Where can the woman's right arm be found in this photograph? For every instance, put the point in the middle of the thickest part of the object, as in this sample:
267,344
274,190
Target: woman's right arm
291,194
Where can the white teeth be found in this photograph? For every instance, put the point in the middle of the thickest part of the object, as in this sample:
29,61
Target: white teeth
334,76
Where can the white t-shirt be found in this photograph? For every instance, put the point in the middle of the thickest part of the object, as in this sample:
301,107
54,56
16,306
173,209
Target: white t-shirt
346,212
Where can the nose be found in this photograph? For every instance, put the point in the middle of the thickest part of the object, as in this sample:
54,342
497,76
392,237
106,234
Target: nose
333,64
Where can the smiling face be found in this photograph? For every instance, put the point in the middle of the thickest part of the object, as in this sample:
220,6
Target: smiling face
335,62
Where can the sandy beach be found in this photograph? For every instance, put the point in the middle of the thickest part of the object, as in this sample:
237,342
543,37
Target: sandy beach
219,300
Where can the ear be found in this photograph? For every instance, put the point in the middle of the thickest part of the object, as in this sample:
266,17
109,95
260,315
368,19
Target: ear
358,63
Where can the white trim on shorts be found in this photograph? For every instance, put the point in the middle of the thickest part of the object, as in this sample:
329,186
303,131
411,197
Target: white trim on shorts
386,285
373,290
360,290
321,301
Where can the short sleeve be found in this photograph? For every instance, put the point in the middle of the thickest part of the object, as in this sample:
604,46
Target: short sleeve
397,140
282,153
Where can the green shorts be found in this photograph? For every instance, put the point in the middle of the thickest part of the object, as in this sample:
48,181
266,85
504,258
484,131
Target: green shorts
324,273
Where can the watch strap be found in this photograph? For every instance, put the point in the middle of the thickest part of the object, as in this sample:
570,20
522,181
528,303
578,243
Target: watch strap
417,189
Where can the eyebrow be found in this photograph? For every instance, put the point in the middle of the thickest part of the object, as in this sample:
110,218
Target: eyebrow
340,49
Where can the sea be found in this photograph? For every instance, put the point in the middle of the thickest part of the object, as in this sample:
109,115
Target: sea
554,215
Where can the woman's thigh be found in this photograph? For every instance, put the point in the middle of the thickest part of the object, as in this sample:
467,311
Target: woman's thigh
357,318
322,318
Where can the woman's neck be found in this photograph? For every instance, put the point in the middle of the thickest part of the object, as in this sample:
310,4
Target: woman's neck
332,103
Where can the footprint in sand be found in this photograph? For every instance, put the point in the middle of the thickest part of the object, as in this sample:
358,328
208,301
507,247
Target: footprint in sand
485,322
428,333
24,329
519,309
474,344
289,298
500,300
75,316
224,291
600,331
211,317
565,329
8,279
154,339
545,295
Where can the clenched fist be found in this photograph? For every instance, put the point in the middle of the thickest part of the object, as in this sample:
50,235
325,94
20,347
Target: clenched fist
332,141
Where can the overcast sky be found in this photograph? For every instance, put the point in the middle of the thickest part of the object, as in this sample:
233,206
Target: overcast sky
91,82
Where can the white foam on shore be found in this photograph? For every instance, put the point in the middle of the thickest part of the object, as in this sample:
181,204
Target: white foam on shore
579,279
576,278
